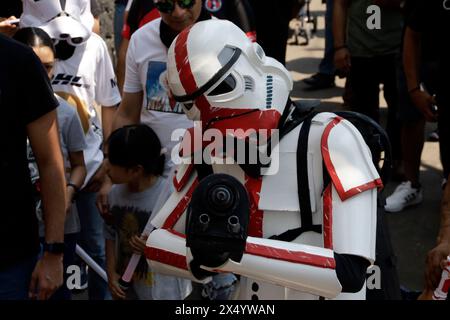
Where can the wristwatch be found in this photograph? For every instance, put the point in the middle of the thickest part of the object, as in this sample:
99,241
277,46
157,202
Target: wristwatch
55,247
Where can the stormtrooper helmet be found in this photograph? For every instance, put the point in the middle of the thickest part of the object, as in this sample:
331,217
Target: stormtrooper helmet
216,72
63,20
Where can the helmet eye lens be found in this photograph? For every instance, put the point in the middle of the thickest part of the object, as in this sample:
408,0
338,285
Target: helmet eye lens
227,85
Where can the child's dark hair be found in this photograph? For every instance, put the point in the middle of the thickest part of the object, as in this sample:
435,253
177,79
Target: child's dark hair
34,37
135,145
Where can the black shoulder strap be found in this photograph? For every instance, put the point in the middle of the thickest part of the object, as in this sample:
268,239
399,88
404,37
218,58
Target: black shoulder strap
303,187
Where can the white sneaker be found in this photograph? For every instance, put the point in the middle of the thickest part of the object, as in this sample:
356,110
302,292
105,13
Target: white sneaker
403,196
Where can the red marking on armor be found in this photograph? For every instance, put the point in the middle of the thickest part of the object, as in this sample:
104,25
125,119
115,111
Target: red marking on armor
446,285
166,257
178,234
182,61
253,187
328,218
172,219
290,256
185,72
344,195
184,179
251,35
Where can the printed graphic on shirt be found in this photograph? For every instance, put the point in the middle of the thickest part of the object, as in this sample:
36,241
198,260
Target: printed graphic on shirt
157,97
213,5
128,222
67,79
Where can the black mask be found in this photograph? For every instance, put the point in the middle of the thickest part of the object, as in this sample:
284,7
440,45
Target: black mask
64,50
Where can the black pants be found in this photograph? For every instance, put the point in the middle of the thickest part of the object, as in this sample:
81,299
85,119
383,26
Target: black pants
443,102
366,75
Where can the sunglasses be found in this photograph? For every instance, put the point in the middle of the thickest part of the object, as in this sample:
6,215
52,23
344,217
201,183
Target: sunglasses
167,6
75,41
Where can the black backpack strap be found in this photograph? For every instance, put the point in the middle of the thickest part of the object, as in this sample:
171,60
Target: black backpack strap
303,187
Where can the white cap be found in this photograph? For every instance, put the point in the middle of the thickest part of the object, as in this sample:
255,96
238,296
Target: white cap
72,18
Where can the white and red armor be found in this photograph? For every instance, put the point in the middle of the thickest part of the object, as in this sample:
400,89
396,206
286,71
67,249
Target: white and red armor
200,60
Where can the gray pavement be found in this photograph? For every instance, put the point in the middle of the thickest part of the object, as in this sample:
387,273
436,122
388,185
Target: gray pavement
413,231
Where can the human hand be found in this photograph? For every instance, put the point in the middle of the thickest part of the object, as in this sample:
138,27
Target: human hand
113,284
436,261
8,28
47,276
342,60
424,102
97,180
102,200
69,200
138,244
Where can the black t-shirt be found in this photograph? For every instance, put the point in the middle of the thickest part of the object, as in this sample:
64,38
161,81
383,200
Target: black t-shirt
25,95
432,19
10,8
237,11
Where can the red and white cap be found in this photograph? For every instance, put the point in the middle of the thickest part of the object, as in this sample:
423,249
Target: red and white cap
70,20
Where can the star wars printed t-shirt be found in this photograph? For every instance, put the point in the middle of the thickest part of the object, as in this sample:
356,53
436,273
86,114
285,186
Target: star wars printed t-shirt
146,64
25,96
85,78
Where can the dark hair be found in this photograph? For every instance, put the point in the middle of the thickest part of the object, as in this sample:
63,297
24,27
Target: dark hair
135,145
34,37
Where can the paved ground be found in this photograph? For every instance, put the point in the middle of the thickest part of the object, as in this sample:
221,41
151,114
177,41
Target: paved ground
414,230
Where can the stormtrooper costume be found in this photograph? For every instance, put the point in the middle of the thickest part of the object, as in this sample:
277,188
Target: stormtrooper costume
226,81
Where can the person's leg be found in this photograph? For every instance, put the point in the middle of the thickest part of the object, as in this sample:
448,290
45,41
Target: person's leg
92,241
326,66
409,192
444,132
325,77
365,87
15,281
388,68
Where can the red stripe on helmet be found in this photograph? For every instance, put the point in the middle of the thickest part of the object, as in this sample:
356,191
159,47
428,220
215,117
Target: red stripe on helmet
182,61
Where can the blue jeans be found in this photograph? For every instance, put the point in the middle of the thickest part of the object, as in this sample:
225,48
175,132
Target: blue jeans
91,239
118,24
326,65
15,281
221,287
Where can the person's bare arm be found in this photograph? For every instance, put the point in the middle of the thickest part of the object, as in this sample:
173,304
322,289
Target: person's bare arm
44,138
129,111
77,175
121,63
96,26
341,53
108,114
411,62
437,257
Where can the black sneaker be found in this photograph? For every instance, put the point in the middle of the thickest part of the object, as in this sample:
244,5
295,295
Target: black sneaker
320,81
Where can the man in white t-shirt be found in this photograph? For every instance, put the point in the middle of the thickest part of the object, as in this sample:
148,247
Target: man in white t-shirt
84,77
145,97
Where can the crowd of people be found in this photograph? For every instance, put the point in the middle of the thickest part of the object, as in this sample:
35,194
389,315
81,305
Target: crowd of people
60,90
